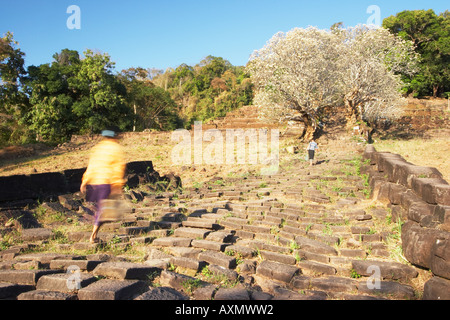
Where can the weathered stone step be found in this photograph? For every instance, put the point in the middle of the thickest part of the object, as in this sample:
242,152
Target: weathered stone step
84,265
388,270
188,263
314,246
278,257
124,270
172,242
209,245
201,223
25,277
12,290
108,289
162,293
47,295
316,268
194,233
220,236
327,284
277,271
37,234
65,282
391,289
243,251
181,282
134,230
218,258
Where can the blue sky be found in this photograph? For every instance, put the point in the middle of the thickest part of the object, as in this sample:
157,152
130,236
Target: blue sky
162,34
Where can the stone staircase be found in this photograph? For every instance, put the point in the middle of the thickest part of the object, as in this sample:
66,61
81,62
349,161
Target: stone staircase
307,233
248,117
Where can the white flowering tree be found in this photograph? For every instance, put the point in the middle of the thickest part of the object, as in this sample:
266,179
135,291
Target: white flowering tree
305,71
295,74
370,63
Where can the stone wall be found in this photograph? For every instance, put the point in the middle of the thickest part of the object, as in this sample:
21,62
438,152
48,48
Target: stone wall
419,197
18,188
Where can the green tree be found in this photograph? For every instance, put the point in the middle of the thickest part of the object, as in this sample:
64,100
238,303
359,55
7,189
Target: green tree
208,90
13,100
102,96
430,34
153,108
52,95
73,95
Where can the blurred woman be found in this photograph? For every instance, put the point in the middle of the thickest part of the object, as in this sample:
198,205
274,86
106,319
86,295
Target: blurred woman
104,175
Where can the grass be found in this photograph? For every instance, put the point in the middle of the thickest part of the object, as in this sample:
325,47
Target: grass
433,152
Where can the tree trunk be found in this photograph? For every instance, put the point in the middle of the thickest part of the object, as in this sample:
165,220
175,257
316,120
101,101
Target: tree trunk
354,119
134,121
310,127
435,91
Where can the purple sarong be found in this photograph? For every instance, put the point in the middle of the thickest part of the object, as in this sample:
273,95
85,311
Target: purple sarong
95,194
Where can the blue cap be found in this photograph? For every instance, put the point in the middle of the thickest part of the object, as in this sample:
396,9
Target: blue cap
108,133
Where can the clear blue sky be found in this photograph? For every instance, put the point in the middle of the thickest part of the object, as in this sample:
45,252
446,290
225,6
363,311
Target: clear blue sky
166,33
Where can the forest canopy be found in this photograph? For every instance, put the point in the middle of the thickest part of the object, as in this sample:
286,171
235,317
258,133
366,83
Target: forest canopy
307,70
76,94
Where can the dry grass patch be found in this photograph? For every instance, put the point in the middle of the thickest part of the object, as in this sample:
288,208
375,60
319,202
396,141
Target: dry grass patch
428,152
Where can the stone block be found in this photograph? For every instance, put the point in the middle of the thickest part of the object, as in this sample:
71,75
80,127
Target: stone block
188,263
437,288
314,268
407,198
209,245
419,210
107,289
440,260
418,243
230,294
315,246
426,189
47,295
277,271
382,158
218,258
243,251
391,288
383,191
220,236
37,234
438,193
180,281
333,284
172,242
84,265
25,277
205,224
194,233
125,270
395,193
65,282
222,272
388,270
441,214
162,293
205,293
407,173
278,257
12,290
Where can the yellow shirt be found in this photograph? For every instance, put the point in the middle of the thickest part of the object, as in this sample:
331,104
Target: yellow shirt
106,165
